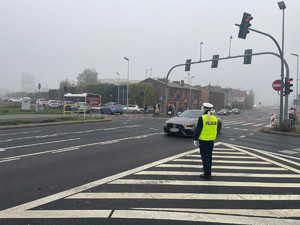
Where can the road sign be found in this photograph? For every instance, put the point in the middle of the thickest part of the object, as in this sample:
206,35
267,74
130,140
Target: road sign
276,85
161,97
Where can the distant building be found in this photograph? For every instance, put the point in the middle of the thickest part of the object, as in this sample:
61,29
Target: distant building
216,96
28,83
239,99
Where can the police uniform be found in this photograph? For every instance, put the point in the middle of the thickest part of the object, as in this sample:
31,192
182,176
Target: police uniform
206,133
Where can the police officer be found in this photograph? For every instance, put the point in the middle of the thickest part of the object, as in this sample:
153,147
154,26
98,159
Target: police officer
205,134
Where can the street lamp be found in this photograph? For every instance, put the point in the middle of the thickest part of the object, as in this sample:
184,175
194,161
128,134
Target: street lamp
118,86
283,7
230,45
127,79
297,95
190,84
201,43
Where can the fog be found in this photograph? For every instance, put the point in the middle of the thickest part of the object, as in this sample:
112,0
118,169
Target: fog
54,40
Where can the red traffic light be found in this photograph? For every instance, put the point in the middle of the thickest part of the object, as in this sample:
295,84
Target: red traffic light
289,80
249,18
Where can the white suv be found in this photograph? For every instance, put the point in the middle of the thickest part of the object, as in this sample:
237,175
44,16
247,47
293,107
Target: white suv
132,108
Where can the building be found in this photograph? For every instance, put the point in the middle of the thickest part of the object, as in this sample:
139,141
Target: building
216,96
181,95
239,99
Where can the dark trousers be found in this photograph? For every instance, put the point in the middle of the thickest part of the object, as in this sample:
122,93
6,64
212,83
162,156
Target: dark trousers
206,148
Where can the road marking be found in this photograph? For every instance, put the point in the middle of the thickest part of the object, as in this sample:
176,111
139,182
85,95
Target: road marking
43,143
260,124
222,161
289,152
266,159
185,196
279,213
216,174
226,156
222,167
232,139
242,136
28,132
73,147
246,124
15,211
206,183
228,153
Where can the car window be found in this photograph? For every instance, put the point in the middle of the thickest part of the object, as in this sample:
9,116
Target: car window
191,113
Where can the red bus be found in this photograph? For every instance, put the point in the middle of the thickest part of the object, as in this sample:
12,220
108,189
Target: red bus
94,100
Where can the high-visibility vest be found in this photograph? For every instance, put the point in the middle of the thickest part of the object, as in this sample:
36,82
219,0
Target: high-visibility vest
209,130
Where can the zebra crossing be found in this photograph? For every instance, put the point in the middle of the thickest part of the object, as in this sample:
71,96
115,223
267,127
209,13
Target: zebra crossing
246,187
227,123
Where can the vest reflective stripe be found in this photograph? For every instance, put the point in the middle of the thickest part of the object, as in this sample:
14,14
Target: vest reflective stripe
209,130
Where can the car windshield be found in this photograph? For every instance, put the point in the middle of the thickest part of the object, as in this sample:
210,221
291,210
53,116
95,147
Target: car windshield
191,114
118,104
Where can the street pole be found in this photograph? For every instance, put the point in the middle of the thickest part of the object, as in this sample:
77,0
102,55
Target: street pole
297,94
283,7
201,43
118,86
230,45
127,79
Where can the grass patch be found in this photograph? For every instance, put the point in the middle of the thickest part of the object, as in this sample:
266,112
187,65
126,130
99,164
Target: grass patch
15,108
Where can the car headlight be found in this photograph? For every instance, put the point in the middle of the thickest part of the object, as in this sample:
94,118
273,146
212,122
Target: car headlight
189,125
165,124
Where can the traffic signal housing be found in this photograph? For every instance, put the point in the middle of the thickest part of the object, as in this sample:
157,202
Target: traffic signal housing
188,65
248,56
215,61
245,24
288,85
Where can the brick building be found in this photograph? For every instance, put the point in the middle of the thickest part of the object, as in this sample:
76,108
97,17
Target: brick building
179,94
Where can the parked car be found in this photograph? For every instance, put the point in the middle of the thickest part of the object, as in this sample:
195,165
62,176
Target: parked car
224,112
42,101
185,124
112,107
53,104
15,100
132,108
81,107
236,111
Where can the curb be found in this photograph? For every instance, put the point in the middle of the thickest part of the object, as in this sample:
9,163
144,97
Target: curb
267,130
50,124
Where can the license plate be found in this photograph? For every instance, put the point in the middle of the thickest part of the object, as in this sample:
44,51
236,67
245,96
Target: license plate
174,129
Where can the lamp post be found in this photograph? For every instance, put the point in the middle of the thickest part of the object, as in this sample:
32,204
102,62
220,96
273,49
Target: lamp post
201,43
190,84
283,7
230,45
297,95
127,79
118,86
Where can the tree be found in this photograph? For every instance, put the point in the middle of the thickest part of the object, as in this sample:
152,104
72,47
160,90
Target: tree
141,90
88,76
68,85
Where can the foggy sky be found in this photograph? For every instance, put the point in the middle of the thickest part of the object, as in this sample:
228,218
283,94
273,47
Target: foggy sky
54,40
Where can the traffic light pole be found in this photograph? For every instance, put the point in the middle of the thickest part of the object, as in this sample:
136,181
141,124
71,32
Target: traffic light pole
231,57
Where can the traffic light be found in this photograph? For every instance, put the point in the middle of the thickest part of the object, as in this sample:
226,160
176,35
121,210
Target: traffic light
245,24
188,65
65,89
248,56
288,85
215,61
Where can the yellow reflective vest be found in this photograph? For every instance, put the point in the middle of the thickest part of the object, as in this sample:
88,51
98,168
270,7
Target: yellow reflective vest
209,130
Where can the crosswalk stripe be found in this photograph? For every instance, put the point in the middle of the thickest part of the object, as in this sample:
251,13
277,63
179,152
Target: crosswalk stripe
230,157
246,124
185,196
223,161
256,125
206,183
279,213
222,167
216,174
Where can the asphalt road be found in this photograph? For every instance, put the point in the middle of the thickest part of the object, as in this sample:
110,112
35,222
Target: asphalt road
127,171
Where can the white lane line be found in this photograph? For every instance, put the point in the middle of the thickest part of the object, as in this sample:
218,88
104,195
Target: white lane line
232,139
15,211
28,132
226,156
260,124
277,213
228,153
222,161
43,143
206,183
215,174
67,133
75,147
222,167
200,217
185,196
242,136
246,124
266,159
